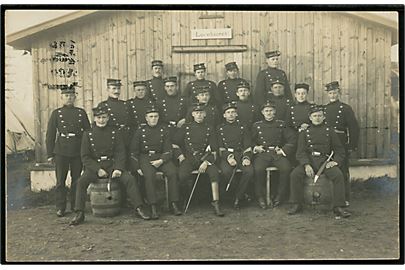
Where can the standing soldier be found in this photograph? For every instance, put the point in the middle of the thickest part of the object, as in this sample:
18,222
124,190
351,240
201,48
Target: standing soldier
198,139
155,85
341,118
63,139
297,113
138,105
246,109
274,142
314,146
151,143
191,88
227,88
277,97
204,99
103,155
117,110
235,151
266,76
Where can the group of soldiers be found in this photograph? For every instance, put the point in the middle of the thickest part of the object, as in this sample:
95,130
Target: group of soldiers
216,130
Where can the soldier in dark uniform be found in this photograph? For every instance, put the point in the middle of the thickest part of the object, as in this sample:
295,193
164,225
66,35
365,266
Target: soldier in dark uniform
227,88
117,110
172,110
314,146
191,88
341,118
274,142
277,97
199,145
235,151
297,114
266,76
63,139
138,105
203,97
156,85
103,155
246,109
151,143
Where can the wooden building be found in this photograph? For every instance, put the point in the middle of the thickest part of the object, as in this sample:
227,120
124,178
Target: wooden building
317,47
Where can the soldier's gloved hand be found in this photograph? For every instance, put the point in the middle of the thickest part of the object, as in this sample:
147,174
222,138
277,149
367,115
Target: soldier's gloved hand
101,173
50,160
140,172
258,149
309,171
331,164
232,162
156,163
181,122
116,173
181,158
304,126
203,167
246,162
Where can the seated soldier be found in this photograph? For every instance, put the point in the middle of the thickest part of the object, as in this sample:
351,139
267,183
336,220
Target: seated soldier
151,143
197,140
103,155
314,146
235,152
274,142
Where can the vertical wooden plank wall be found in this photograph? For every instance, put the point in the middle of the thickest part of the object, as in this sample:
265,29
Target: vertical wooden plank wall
316,48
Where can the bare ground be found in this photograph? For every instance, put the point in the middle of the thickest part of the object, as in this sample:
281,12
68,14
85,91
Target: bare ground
34,233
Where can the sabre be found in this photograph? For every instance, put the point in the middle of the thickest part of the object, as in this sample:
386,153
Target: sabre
109,196
322,168
192,191
230,180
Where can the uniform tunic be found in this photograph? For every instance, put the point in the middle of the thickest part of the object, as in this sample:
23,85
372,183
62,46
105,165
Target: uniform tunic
153,143
227,90
314,145
156,88
234,140
212,117
263,84
282,105
297,114
137,109
270,134
63,139
191,91
247,113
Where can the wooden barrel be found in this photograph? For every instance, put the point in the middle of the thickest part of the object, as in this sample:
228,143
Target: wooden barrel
104,203
319,194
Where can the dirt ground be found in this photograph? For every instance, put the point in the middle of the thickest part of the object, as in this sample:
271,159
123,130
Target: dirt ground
34,233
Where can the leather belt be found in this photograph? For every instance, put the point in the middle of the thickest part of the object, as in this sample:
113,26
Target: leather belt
104,158
270,148
316,154
151,152
68,135
340,131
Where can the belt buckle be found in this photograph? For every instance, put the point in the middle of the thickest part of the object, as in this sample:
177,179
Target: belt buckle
231,150
102,158
152,152
172,123
316,154
71,134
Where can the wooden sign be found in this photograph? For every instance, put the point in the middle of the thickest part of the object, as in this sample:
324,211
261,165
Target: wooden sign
216,33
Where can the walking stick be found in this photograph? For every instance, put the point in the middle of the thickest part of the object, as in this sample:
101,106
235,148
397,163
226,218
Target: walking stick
192,191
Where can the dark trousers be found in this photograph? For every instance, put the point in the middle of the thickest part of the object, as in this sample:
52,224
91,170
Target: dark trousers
187,179
344,167
242,184
127,180
264,160
334,174
62,166
149,174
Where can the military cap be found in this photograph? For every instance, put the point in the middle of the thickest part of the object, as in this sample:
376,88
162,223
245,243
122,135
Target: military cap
268,104
170,79
202,89
231,66
157,63
199,66
316,108
277,81
229,105
67,89
301,85
139,83
99,110
151,109
243,84
197,107
332,86
114,82
272,54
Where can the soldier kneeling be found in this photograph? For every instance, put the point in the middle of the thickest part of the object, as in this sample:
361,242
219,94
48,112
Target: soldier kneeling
103,155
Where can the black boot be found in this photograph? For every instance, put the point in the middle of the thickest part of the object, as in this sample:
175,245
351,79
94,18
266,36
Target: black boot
78,219
218,211
339,212
236,204
262,203
154,212
60,213
176,210
295,209
276,202
141,213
